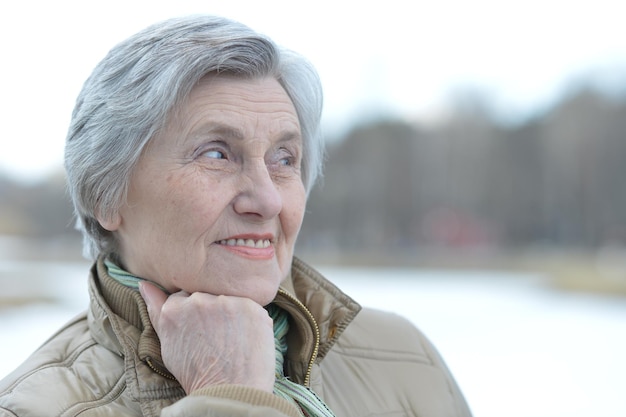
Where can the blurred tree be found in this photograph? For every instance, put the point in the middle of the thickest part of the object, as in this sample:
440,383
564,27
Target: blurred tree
470,181
467,182
42,209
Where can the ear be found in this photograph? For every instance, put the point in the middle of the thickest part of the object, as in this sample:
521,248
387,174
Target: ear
110,222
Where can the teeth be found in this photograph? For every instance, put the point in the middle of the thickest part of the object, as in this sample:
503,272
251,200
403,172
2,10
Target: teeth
250,243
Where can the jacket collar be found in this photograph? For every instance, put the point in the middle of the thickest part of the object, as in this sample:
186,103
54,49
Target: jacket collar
319,310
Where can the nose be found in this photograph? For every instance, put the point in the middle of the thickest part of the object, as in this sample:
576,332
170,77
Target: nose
259,195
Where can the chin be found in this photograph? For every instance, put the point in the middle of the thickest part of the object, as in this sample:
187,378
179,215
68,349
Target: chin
263,297
262,288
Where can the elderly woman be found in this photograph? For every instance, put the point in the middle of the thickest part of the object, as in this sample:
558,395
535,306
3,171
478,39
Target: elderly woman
190,155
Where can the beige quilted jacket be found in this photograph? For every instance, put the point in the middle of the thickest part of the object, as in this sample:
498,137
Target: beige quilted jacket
107,362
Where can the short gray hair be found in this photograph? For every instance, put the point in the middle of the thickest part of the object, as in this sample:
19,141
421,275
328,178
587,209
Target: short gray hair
130,94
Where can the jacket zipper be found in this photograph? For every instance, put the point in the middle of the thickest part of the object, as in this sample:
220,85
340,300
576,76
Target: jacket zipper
158,371
316,331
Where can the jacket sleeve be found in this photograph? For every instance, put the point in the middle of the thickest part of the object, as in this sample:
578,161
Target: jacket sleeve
389,365
231,401
459,401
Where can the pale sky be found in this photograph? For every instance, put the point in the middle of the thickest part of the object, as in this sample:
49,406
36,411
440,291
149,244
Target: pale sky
397,56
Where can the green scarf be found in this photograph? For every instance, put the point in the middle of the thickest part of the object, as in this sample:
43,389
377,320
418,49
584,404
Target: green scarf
303,397
310,404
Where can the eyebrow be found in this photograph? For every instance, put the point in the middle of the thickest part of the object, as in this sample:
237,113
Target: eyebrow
230,132
220,129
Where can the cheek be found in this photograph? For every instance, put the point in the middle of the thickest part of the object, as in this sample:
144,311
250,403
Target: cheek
294,214
197,211
192,198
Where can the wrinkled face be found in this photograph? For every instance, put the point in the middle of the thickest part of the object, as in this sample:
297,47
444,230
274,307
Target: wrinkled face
216,201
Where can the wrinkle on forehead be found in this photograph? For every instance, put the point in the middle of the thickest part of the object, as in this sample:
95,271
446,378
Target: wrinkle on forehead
220,104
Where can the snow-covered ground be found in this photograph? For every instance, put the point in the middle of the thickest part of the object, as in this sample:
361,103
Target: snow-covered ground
516,347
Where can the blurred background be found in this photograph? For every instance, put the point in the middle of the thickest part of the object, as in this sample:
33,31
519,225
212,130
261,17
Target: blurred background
474,178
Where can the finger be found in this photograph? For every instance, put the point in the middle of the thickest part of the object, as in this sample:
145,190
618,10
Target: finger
154,298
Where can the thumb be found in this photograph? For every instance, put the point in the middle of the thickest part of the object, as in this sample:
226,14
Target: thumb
154,298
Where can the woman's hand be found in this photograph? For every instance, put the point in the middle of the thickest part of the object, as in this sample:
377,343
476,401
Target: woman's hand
210,340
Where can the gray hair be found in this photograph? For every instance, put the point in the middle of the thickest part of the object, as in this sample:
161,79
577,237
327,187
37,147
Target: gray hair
131,93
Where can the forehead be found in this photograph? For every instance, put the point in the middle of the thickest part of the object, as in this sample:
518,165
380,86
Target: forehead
244,106
224,93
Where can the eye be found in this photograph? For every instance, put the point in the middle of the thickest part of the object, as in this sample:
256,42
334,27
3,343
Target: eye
284,158
286,161
215,154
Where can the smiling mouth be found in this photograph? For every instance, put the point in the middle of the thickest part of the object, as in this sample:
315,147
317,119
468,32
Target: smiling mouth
248,243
